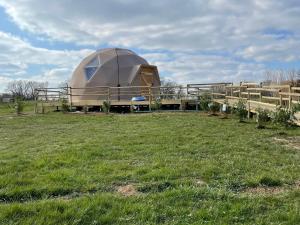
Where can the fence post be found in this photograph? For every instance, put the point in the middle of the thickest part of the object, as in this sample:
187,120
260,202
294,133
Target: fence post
150,97
71,100
260,95
249,110
280,99
290,97
36,93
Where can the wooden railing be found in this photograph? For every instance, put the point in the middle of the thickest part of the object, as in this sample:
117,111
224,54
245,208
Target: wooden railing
256,94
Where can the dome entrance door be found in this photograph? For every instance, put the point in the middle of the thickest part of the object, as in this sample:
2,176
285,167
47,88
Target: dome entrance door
147,79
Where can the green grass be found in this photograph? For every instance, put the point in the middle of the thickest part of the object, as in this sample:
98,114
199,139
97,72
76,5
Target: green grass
64,169
7,109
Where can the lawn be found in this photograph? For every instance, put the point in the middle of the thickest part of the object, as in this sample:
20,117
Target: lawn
159,168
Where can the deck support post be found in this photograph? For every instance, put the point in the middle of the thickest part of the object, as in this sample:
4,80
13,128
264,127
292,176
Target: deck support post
280,99
108,94
290,97
150,98
71,101
249,109
248,101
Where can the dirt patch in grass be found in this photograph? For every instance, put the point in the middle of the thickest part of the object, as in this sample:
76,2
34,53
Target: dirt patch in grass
291,142
127,190
264,190
267,191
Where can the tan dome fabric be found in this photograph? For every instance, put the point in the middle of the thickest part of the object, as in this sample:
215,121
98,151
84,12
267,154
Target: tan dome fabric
111,67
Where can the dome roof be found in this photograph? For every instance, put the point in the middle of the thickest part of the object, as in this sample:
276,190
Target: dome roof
107,67
113,67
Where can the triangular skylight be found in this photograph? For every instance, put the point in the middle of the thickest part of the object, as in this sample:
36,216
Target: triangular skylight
91,68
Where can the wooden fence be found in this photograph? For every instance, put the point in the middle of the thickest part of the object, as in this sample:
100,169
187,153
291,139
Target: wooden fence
255,95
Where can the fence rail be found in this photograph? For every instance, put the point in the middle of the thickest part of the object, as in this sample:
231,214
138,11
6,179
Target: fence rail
256,94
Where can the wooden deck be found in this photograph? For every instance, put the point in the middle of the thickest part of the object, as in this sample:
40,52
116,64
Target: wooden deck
254,105
255,96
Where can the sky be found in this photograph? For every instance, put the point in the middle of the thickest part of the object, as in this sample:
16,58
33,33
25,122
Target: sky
190,41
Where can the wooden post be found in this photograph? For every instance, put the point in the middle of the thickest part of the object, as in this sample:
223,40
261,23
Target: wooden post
187,89
249,110
35,99
180,106
260,95
240,95
108,94
290,97
150,97
280,100
71,101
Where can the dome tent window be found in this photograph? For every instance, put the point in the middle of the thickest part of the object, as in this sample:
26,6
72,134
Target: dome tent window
91,68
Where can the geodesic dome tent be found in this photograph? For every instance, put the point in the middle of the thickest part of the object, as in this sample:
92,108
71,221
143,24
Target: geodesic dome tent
113,67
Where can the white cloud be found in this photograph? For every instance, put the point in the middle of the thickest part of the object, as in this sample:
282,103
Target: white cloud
190,41
169,24
17,55
192,68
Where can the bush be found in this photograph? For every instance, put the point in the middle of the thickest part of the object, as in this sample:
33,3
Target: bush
241,110
214,107
296,107
262,117
64,105
106,106
156,105
283,116
85,109
205,100
19,106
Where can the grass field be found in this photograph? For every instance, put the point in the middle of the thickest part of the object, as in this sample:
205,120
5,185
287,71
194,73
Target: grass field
168,168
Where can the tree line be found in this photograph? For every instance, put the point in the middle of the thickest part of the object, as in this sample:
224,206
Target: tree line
24,89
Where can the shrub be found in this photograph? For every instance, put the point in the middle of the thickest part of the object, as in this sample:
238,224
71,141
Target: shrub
204,101
296,107
64,105
157,104
214,107
85,109
283,116
19,106
241,110
106,106
262,117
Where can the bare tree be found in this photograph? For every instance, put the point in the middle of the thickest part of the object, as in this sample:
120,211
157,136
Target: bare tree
171,89
64,87
24,89
282,76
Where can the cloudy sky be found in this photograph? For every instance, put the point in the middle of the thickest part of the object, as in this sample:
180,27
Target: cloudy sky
190,41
